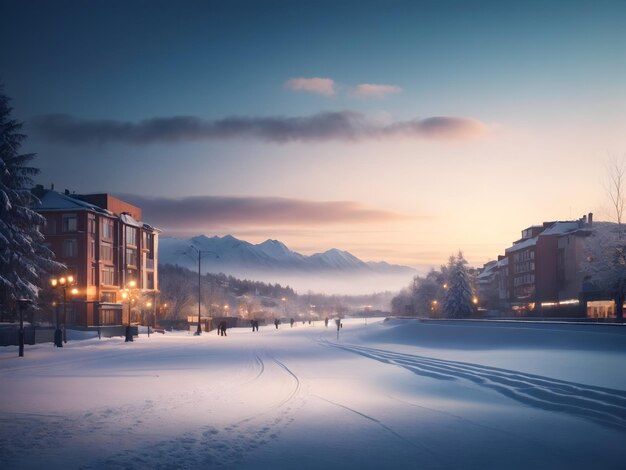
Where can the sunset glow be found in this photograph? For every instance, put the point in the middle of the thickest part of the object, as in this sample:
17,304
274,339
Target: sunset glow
404,133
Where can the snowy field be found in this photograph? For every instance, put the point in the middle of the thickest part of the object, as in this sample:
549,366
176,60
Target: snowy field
393,394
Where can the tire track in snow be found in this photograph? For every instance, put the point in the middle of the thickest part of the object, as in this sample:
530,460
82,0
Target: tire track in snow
380,424
294,376
602,405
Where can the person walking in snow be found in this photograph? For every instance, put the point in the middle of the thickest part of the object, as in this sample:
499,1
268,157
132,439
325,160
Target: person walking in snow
276,322
326,322
222,328
291,322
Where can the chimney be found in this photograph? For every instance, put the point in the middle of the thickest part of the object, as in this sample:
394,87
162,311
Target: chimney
590,219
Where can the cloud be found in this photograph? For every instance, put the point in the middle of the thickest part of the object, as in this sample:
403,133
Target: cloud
321,86
376,90
321,127
205,212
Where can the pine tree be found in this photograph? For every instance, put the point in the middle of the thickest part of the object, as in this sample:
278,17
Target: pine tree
23,257
457,302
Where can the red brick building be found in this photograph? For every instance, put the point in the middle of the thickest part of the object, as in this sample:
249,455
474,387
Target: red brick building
543,275
105,245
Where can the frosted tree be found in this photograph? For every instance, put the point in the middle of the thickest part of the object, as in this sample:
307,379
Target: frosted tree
606,262
457,301
23,257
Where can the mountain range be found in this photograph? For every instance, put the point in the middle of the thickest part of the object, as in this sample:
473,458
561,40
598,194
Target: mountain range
273,261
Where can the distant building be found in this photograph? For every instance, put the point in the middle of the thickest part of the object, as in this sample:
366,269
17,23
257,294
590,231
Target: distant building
105,245
540,274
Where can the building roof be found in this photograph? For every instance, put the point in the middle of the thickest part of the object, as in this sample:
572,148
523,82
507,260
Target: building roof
560,228
54,201
522,245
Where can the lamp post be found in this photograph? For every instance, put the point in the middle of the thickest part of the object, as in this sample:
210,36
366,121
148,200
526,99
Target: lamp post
200,254
22,303
127,294
148,304
63,283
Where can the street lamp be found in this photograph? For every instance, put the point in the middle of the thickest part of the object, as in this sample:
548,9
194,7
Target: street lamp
127,294
62,282
22,303
433,308
200,254
148,304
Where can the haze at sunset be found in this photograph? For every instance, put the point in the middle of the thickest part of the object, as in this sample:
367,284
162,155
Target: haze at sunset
398,131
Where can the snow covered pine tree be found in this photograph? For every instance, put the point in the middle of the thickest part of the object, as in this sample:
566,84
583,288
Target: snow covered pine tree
23,257
457,302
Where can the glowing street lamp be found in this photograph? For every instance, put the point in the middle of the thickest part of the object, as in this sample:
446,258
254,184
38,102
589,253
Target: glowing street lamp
127,294
148,305
62,282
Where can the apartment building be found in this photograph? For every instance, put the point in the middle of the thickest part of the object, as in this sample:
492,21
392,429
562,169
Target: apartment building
105,245
540,274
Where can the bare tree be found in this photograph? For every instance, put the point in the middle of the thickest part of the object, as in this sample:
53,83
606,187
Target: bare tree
615,187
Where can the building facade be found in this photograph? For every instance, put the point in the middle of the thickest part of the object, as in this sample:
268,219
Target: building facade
540,274
105,245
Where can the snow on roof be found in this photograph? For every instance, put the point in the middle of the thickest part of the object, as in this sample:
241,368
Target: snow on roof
522,245
130,220
561,228
53,200
151,228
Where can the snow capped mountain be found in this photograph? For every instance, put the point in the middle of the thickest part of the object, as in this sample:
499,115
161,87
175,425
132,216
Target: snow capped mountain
243,259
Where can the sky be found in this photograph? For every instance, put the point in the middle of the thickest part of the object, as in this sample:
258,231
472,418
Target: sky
397,130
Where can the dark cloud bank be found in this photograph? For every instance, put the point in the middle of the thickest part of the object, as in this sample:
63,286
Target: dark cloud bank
338,126
203,211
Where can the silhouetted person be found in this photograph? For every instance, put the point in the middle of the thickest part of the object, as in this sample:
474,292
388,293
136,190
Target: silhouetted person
222,328
291,322
276,322
338,322
326,322
255,325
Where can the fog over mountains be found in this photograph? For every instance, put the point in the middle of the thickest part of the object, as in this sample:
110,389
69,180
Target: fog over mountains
333,271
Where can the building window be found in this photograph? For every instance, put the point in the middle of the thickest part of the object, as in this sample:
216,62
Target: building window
70,223
107,276
108,297
51,226
131,256
91,225
92,276
110,317
107,229
70,249
131,235
92,249
106,252
150,281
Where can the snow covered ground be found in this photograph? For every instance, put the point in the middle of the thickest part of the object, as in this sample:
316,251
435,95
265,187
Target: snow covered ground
393,394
